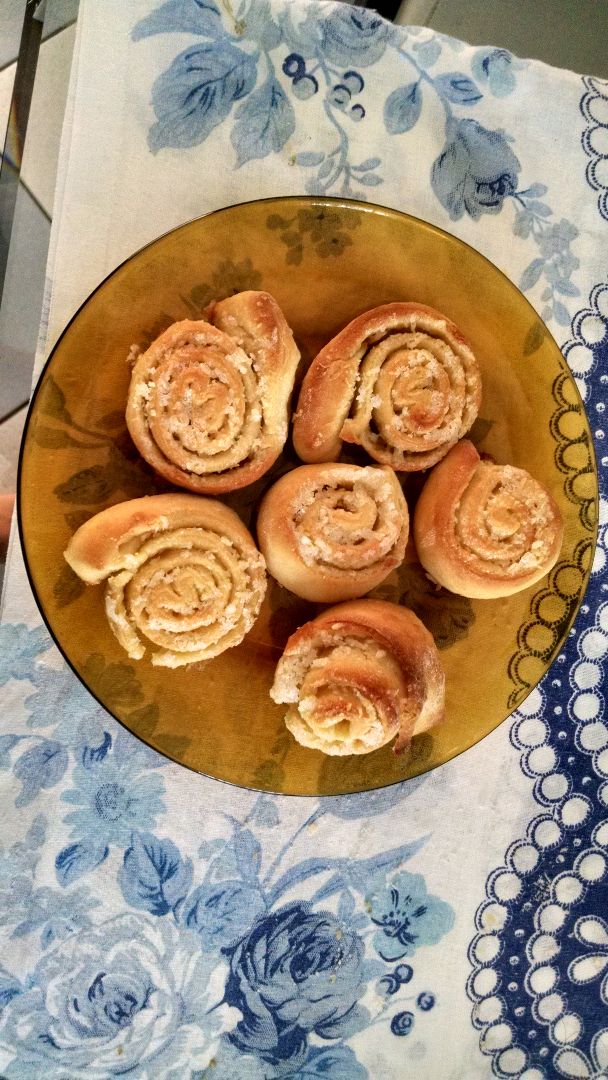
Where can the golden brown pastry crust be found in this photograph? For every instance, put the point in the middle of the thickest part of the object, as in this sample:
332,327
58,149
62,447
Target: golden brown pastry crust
358,675
333,532
399,380
182,573
485,530
208,404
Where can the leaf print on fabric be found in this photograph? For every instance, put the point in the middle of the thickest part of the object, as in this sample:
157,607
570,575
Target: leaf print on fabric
181,17
130,995
197,93
428,52
555,261
334,1062
402,108
56,914
264,122
41,767
407,917
259,25
154,876
218,912
322,57
495,69
9,988
475,171
78,859
7,743
458,88
296,972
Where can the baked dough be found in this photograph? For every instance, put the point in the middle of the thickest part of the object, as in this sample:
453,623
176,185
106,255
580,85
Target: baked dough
333,532
208,401
183,575
399,380
485,530
359,675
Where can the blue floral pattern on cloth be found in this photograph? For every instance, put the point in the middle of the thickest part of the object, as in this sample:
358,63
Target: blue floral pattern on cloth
408,917
137,944
248,69
540,957
208,960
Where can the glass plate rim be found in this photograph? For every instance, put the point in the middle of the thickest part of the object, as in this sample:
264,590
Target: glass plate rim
318,200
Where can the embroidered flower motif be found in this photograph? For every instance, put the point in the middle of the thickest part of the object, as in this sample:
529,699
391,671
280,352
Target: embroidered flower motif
408,917
475,171
591,931
296,972
112,801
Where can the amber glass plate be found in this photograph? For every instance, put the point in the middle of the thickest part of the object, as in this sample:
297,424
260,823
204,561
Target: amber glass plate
325,261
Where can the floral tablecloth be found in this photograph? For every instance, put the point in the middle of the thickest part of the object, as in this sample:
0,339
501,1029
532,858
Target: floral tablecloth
161,925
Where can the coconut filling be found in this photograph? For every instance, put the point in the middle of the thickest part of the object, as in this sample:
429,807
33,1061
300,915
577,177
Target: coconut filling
415,397
191,592
504,521
346,695
203,408
349,523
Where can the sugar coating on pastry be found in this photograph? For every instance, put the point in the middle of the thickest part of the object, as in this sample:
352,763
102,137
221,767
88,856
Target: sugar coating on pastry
400,380
333,532
208,400
182,575
359,675
485,530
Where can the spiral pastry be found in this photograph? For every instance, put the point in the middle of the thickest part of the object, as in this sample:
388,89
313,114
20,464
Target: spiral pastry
358,675
399,380
182,574
208,401
333,532
485,530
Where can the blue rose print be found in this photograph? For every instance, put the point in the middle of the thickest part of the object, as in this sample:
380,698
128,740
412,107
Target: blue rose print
407,917
130,996
354,37
298,971
113,799
475,172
